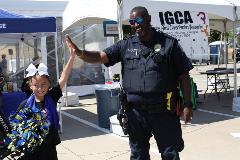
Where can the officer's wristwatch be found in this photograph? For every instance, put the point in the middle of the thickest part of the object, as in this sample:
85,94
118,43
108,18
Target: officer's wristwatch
188,104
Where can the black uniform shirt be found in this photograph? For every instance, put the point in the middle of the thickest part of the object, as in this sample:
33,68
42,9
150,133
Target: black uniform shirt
176,60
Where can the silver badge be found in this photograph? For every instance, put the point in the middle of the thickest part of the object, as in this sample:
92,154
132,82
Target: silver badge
157,48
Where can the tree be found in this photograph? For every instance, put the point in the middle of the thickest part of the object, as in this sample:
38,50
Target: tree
214,36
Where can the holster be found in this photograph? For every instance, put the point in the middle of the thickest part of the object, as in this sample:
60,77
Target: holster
121,116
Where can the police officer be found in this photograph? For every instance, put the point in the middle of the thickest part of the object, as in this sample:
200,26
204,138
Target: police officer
153,66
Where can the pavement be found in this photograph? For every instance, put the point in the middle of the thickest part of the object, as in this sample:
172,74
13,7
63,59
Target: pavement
213,134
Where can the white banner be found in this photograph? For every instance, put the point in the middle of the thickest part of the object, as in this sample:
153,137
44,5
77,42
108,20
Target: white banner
190,28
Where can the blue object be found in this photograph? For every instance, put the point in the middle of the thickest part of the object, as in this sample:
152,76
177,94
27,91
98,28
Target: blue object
108,104
214,54
11,101
14,23
50,105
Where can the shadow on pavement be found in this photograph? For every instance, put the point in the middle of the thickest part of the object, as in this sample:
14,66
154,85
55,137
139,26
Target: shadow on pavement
86,110
72,129
212,109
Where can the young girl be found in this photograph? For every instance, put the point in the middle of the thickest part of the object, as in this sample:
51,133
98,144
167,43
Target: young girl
44,101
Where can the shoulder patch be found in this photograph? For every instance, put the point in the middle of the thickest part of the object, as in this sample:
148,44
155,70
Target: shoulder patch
128,37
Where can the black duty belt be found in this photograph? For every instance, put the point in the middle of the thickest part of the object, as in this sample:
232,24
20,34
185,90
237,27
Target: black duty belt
150,108
170,102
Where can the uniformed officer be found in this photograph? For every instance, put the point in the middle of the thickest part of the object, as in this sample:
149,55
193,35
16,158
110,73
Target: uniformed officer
153,66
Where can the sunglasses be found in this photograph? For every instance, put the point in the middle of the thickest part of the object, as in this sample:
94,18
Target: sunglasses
138,20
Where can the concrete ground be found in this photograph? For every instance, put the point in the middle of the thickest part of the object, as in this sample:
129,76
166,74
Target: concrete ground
214,133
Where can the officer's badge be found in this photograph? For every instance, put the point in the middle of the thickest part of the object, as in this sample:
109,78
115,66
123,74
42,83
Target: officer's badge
157,48
158,57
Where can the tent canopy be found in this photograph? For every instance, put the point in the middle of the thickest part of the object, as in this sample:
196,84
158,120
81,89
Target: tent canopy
86,12
218,10
13,27
13,23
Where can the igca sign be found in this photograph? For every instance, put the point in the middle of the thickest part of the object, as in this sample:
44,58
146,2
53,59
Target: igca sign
190,28
175,17
189,22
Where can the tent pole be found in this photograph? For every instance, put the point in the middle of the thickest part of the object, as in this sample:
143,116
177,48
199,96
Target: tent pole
225,42
234,51
56,55
120,31
43,50
220,50
17,56
24,72
57,71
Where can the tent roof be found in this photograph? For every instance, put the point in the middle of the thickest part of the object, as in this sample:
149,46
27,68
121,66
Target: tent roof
14,23
89,12
218,10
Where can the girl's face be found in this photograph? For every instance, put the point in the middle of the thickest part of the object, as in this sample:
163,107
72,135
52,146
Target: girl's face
39,85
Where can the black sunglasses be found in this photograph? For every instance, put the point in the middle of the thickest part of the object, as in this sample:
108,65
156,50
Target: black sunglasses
138,20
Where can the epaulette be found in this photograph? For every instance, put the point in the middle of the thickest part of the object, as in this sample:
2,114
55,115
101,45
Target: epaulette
128,37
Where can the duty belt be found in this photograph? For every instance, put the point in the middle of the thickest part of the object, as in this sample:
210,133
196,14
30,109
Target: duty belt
151,108
170,103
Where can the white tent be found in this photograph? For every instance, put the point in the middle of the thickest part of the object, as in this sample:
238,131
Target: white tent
85,12
94,12
223,14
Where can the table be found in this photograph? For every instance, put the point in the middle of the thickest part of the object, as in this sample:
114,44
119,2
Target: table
11,101
216,82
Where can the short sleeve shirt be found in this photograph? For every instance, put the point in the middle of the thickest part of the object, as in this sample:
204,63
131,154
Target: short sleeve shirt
115,52
55,93
178,59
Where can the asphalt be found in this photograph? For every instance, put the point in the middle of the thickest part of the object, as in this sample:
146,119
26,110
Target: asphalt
213,134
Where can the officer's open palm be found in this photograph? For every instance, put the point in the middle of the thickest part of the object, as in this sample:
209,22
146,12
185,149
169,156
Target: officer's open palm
72,47
187,114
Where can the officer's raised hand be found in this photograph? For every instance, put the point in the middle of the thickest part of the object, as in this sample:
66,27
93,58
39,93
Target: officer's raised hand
72,46
85,55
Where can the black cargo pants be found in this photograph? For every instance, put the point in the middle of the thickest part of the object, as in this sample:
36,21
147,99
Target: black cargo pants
164,125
